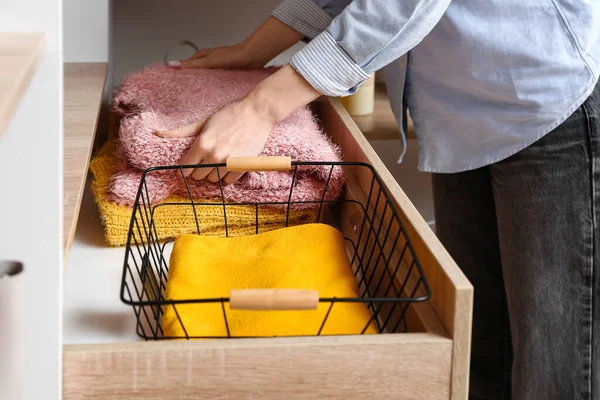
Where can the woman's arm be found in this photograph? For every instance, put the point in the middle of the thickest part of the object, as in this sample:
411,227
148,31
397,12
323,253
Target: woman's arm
270,39
290,22
309,17
367,35
242,128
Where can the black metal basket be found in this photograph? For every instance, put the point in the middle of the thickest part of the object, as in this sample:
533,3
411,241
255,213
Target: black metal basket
384,262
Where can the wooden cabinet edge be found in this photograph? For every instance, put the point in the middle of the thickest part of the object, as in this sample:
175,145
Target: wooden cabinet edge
10,100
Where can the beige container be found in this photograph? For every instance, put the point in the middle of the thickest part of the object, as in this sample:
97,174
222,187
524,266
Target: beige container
11,334
362,102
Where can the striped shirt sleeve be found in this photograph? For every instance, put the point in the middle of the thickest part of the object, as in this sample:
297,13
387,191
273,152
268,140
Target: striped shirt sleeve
366,36
305,16
325,65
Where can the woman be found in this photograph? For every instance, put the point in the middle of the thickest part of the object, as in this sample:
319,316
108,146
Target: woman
504,101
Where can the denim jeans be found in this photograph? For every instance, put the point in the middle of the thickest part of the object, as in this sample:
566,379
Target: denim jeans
525,233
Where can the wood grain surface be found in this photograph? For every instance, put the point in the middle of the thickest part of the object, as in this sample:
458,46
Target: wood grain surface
452,293
354,367
84,86
20,54
381,124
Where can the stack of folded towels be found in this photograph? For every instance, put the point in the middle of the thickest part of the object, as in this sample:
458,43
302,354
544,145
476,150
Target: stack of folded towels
309,257
303,256
158,98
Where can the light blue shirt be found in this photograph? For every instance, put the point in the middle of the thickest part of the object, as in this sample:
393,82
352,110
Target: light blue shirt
483,79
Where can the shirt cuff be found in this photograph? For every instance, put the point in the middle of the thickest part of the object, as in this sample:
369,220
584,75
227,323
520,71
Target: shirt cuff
305,16
328,68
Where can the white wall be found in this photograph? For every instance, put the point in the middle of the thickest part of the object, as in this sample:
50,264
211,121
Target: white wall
31,195
86,30
141,32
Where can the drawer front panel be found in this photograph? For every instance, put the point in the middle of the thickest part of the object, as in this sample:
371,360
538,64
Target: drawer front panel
406,366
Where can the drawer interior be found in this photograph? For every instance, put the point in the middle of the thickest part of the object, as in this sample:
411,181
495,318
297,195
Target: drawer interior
382,255
383,260
389,240
429,361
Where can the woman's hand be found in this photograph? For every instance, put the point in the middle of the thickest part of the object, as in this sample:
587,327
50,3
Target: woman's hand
237,56
241,129
237,130
269,40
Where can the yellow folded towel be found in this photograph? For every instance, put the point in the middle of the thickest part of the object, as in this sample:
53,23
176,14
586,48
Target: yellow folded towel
172,221
311,256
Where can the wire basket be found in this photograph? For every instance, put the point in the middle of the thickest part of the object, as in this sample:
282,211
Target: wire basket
387,270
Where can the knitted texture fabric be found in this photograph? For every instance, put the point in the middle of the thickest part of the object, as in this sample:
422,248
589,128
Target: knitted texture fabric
307,257
159,98
170,221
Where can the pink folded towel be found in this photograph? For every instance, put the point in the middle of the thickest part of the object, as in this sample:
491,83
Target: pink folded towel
159,98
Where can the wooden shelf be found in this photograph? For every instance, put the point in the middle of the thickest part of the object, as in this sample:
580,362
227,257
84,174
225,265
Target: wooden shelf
382,125
84,88
20,54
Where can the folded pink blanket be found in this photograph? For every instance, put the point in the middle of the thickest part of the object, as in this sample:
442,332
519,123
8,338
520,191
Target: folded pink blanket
159,98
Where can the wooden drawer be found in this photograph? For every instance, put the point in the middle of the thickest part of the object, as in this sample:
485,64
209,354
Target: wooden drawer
431,361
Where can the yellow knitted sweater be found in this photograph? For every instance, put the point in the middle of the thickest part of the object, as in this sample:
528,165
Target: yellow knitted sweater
171,221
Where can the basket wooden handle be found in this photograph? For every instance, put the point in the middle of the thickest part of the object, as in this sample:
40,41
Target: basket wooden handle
273,299
259,163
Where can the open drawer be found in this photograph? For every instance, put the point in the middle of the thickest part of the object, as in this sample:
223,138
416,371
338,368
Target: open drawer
430,361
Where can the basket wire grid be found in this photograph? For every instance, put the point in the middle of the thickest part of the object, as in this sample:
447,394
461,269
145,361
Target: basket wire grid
384,262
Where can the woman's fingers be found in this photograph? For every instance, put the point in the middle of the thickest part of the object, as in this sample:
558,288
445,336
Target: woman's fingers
201,173
183,131
204,62
204,52
196,153
232,177
190,158
235,130
179,64
212,60
219,57
215,175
